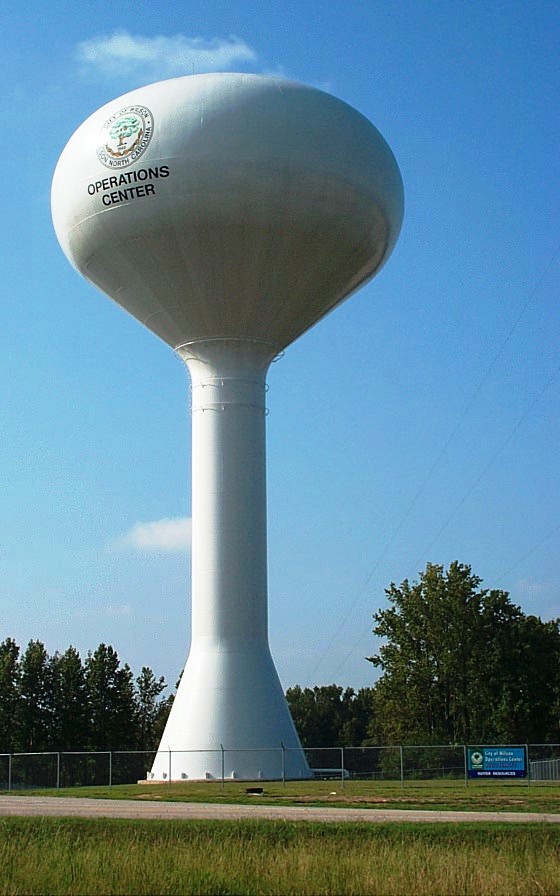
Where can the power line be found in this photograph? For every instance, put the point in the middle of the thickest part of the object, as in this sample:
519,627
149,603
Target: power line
466,496
532,550
440,456
490,463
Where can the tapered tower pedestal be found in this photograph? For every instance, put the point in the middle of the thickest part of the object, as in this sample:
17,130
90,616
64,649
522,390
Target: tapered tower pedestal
230,715
230,718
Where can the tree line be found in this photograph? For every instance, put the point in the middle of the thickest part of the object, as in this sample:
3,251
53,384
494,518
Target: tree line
458,664
62,703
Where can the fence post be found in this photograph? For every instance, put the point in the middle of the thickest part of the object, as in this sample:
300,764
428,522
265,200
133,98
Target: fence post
58,771
402,765
110,768
465,765
10,772
169,766
283,764
223,765
342,767
528,764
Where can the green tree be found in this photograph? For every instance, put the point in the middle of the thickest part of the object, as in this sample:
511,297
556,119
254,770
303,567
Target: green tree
36,700
111,701
525,667
9,694
70,722
162,715
359,719
148,708
459,663
322,715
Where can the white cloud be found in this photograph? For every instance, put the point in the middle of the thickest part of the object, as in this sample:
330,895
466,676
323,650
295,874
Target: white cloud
124,54
167,535
117,610
529,588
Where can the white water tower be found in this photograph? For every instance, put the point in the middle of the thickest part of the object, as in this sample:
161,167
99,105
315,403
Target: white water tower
228,213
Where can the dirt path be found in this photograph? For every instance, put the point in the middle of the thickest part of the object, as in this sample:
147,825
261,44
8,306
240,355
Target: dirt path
89,808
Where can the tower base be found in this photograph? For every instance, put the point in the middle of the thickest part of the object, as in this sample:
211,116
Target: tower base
230,720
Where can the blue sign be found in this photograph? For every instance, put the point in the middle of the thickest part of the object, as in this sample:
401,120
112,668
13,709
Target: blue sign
496,762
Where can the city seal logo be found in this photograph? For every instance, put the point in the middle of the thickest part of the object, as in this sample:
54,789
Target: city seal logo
125,137
477,759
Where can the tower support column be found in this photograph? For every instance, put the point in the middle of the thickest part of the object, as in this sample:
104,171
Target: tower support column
230,696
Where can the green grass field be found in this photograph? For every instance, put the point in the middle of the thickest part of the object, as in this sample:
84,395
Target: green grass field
79,856
479,795
98,856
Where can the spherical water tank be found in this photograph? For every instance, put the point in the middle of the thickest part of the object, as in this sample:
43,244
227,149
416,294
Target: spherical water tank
238,206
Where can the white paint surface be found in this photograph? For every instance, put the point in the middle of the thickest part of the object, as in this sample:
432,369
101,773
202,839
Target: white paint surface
256,207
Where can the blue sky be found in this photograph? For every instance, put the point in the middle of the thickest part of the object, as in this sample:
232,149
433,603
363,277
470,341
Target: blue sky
418,422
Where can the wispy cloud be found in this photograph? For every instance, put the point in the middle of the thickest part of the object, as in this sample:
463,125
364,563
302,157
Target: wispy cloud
530,588
167,535
122,610
122,54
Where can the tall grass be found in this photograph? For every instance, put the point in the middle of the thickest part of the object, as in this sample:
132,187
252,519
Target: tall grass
79,856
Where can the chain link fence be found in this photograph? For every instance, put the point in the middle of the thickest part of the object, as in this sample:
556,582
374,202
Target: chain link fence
545,762
404,763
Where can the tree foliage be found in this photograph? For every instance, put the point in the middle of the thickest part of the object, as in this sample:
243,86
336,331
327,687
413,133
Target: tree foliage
458,663
35,708
111,699
463,664
149,709
71,720
9,694
330,716
61,703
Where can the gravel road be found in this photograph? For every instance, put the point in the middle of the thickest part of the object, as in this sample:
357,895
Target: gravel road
88,808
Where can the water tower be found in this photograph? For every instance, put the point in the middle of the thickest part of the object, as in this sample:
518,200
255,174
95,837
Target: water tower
228,213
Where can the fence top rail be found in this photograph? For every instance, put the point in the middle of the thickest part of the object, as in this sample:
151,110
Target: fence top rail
231,750
384,747
207,750
75,753
142,752
280,748
44,753
379,747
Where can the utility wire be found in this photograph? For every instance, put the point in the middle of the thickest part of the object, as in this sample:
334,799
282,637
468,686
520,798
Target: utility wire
490,463
466,496
437,461
532,550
